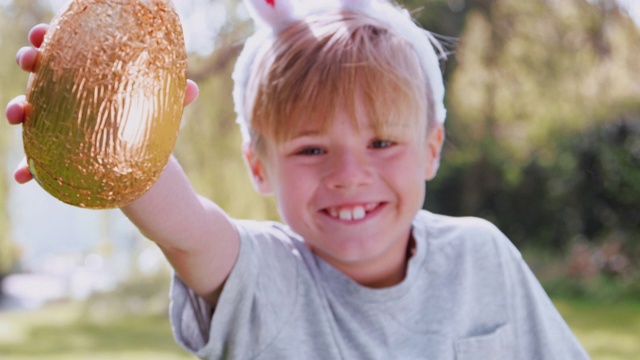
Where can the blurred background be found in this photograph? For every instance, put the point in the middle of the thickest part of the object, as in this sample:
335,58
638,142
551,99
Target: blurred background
543,139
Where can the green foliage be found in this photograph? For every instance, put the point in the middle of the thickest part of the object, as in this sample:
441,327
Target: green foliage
529,70
602,289
605,173
590,189
444,17
543,119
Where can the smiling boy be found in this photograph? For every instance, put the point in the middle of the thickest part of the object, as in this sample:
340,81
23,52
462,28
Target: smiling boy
341,110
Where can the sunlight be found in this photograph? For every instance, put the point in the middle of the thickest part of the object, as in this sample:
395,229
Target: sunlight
201,21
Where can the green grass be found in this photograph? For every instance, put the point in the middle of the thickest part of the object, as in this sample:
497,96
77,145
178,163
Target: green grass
65,332
609,331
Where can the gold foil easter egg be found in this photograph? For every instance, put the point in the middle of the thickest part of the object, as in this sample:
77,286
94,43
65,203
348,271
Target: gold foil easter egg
106,100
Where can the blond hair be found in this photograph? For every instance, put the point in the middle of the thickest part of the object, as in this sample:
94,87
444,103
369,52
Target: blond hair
328,62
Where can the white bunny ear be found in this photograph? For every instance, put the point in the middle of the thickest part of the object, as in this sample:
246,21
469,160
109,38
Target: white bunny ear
355,5
274,13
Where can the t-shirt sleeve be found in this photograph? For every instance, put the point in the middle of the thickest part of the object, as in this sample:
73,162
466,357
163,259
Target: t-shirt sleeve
190,316
259,293
540,330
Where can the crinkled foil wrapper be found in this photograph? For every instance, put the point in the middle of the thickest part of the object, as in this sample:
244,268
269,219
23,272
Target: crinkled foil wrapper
106,100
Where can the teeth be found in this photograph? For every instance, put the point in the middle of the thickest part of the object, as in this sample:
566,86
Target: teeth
358,213
348,214
345,214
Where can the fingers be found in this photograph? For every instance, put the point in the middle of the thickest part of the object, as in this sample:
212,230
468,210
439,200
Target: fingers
15,110
15,115
192,92
27,57
22,174
36,35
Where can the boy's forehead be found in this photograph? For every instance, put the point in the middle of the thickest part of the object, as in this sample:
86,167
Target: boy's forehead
358,120
321,121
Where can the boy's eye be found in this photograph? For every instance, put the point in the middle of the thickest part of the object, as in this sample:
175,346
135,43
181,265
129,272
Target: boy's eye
381,144
311,151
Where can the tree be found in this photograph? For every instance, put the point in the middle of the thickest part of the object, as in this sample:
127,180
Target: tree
529,76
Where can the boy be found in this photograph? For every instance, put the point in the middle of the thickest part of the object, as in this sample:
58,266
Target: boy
341,110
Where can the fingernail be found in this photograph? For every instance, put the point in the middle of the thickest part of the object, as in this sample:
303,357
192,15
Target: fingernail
19,55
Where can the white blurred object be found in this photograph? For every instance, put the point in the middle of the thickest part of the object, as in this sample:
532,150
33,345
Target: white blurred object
151,261
33,290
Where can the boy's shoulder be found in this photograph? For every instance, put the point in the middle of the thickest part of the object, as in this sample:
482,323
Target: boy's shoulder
437,224
467,233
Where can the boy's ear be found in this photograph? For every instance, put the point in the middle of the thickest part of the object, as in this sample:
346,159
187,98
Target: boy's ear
435,139
256,169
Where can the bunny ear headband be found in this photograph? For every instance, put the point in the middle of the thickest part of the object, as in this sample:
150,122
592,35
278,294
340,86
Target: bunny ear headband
271,16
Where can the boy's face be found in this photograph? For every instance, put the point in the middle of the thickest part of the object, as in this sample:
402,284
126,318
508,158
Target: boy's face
350,194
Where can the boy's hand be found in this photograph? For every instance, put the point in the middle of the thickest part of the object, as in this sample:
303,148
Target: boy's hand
27,59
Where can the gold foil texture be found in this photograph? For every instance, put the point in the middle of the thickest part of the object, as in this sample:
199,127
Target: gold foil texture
106,100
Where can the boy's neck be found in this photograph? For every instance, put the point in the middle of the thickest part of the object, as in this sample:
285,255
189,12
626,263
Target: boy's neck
384,274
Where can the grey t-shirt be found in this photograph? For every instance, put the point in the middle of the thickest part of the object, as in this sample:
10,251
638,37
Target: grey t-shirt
467,295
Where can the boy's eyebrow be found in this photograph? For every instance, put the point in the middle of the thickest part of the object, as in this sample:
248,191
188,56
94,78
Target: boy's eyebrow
306,132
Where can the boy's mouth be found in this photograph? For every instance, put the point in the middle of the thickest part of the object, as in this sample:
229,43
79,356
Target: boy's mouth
354,212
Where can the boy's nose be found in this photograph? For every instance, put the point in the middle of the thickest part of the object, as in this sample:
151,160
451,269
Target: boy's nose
349,170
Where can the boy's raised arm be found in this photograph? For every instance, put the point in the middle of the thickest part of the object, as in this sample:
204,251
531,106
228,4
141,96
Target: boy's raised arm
195,235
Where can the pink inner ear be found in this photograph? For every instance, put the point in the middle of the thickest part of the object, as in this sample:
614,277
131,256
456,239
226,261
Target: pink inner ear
272,3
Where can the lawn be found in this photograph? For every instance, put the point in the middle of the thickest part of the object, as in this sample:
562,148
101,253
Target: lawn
65,332
61,331
608,331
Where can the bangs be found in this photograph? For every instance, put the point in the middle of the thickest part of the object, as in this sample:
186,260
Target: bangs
337,62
